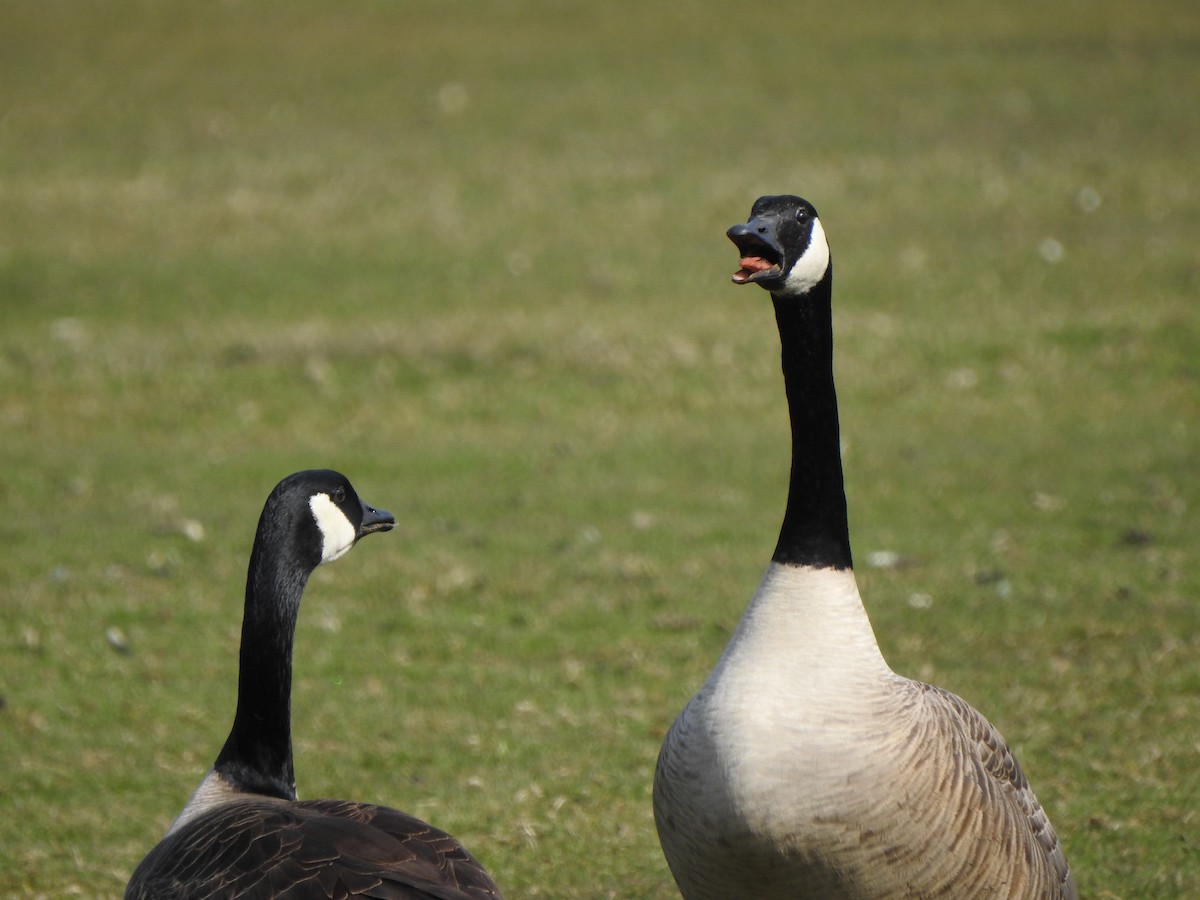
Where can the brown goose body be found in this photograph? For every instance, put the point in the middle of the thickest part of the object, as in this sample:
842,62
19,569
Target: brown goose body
244,833
254,846
804,766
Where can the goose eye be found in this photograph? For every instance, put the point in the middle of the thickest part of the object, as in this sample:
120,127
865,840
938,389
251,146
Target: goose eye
802,216
339,496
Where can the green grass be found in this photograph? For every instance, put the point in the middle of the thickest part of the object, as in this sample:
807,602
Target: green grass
473,256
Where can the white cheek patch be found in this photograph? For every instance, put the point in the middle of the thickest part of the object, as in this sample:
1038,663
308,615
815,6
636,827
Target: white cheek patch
812,266
337,534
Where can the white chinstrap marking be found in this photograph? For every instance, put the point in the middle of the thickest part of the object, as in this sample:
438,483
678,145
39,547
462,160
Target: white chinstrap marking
337,533
811,267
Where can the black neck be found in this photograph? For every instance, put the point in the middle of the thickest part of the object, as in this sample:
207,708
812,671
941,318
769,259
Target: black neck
257,756
815,530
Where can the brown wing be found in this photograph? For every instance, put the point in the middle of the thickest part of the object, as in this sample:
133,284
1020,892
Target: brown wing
312,850
1005,789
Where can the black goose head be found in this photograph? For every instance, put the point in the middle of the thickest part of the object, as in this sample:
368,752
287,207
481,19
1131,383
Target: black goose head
324,514
310,518
782,246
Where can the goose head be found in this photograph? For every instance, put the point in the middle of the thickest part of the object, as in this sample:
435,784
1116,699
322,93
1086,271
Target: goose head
328,516
782,246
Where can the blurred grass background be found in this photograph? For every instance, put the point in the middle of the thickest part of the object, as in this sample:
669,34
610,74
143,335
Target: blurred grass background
472,254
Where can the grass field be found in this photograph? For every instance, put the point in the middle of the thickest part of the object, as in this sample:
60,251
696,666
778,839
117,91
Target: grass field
473,256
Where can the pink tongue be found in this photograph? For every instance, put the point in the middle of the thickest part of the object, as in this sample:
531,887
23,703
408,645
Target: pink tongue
749,266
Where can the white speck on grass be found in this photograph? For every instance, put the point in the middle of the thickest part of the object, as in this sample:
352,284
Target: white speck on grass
1088,199
70,331
158,562
913,258
996,190
883,559
518,263
455,578
1046,502
920,601
192,530
964,379
319,371
452,98
641,521
116,639
1051,250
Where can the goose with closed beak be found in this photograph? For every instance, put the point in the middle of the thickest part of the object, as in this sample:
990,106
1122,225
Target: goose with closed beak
244,833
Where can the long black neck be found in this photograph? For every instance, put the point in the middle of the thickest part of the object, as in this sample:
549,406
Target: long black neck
815,530
257,756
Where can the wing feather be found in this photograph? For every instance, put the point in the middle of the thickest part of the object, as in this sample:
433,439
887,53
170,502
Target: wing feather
311,850
1002,784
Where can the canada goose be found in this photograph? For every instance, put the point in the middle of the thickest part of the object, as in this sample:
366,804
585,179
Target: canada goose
243,833
805,767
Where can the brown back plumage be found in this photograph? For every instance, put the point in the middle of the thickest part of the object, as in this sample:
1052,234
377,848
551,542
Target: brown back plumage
310,850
